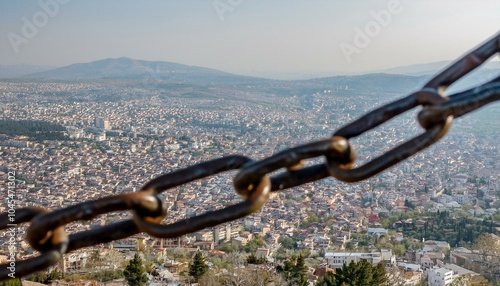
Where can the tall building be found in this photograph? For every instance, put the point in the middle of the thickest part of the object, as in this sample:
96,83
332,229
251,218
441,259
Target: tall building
99,122
102,123
107,125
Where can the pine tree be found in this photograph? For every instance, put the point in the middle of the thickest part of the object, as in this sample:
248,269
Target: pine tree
294,271
252,259
300,275
364,272
347,274
135,273
287,270
199,267
328,280
379,274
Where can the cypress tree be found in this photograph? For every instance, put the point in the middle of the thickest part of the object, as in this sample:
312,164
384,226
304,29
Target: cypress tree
199,267
364,273
135,273
379,274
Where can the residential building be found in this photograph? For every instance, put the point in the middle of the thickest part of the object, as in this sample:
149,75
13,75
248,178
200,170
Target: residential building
439,276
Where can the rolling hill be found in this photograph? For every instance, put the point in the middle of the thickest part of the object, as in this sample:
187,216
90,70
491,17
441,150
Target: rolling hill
126,68
174,75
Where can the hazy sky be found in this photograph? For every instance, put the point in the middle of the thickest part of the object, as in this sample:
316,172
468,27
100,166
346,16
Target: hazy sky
253,37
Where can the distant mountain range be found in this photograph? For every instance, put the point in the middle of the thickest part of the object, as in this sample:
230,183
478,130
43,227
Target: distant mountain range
126,68
395,80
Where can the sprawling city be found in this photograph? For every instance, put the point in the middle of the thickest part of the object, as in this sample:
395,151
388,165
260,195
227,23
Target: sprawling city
429,220
249,143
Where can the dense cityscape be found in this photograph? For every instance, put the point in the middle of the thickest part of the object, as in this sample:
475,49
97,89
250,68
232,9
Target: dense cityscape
249,143
427,219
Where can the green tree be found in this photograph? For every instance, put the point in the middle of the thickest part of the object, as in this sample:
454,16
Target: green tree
487,248
256,242
55,274
252,259
287,268
294,271
45,278
356,274
287,242
312,218
11,282
399,249
349,246
328,280
230,247
322,252
379,274
349,274
134,272
198,267
300,275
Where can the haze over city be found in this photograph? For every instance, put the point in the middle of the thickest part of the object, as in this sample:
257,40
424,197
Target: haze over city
186,115
258,38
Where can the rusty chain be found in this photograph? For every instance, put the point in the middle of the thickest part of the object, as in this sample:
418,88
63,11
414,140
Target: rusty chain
46,228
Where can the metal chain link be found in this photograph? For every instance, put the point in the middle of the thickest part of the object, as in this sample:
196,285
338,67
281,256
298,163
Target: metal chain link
46,228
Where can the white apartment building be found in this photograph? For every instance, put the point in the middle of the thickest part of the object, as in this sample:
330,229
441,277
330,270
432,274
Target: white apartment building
337,259
439,276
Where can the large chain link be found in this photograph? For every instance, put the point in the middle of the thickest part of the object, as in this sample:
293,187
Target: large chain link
46,228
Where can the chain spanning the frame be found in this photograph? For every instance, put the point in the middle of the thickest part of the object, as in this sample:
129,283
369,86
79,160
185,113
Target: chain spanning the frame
46,228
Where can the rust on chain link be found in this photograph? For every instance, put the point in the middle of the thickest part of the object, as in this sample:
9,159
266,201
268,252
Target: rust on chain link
43,224
255,198
435,118
45,232
461,103
375,118
335,147
57,245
